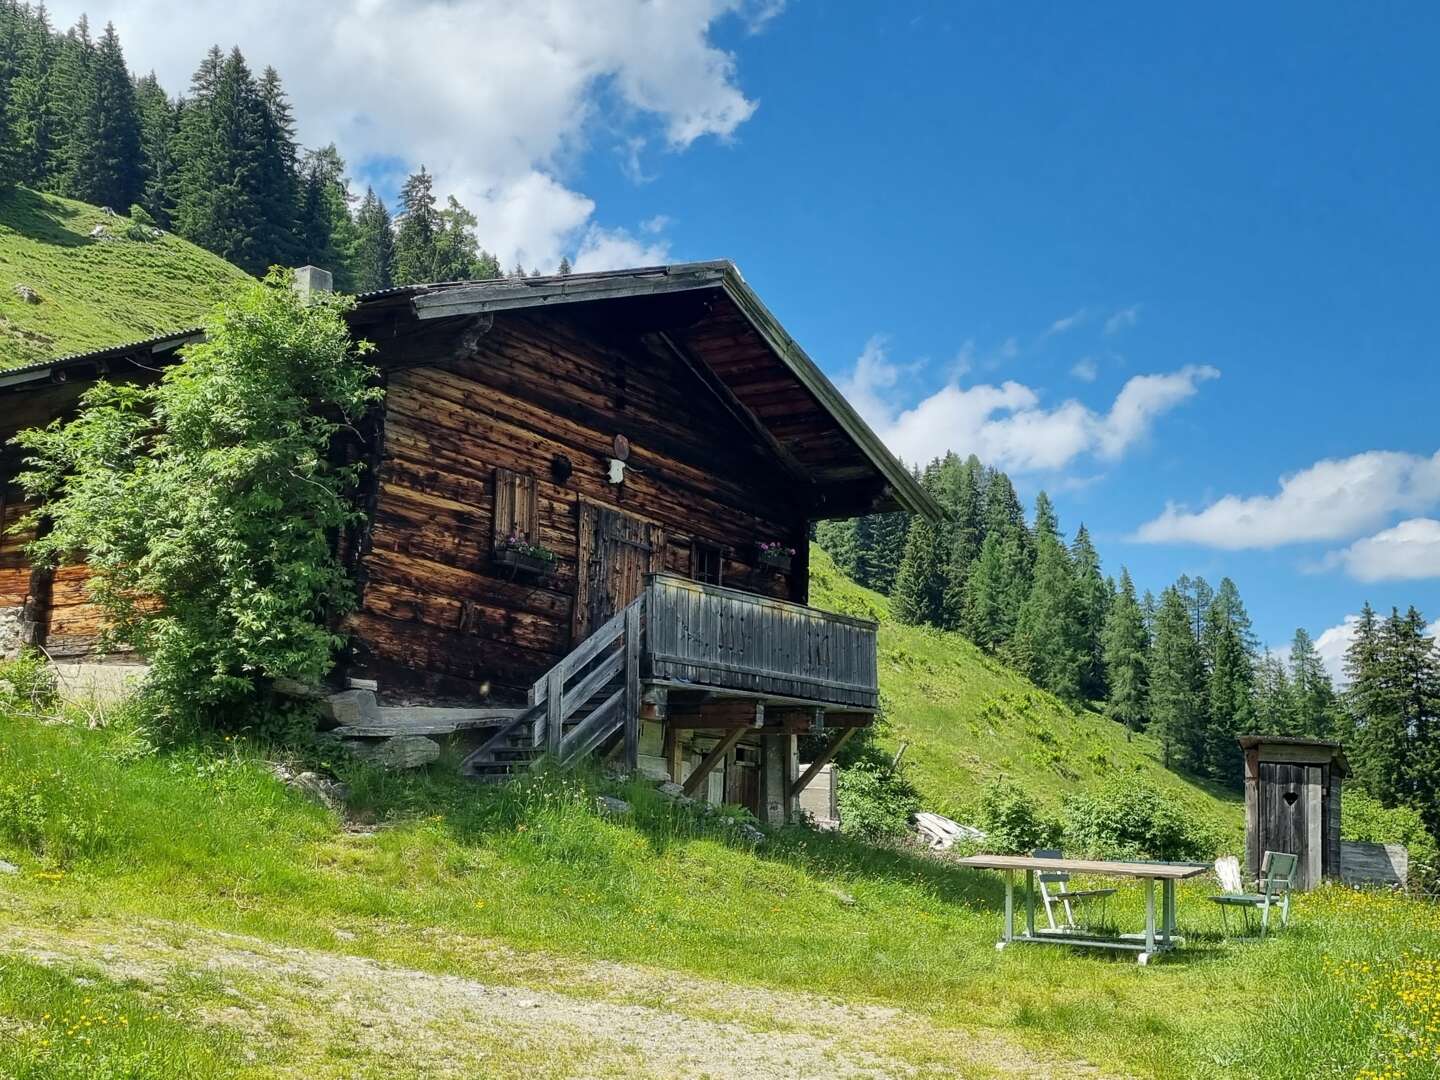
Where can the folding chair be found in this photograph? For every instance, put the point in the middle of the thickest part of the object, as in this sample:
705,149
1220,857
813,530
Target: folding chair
1055,892
1272,889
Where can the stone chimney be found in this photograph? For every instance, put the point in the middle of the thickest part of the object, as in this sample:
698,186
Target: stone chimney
311,279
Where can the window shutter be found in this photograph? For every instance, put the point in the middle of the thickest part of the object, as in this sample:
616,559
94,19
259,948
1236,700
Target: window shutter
516,508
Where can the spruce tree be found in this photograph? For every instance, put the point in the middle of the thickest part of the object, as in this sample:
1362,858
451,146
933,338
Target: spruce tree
1126,649
159,124
564,269
967,534
1230,697
73,87
1092,596
33,108
373,255
419,224
883,539
1050,628
998,583
277,185
1312,696
840,541
103,160
10,36
327,233
1177,682
456,248
920,582
1273,706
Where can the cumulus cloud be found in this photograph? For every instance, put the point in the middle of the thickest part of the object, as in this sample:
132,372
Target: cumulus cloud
495,97
1408,551
1007,425
611,249
1333,643
1331,500
1123,319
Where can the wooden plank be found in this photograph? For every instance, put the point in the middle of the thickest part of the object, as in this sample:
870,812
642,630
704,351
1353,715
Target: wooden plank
820,762
554,708
1157,870
633,644
716,755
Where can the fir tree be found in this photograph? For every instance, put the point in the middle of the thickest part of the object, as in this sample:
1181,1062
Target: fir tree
1126,649
9,52
1230,697
415,238
1177,682
32,106
373,256
920,583
1049,629
1312,696
277,187
998,583
840,539
1273,706
456,249
328,234
967,534
103,162
159,124
564,269
1092,596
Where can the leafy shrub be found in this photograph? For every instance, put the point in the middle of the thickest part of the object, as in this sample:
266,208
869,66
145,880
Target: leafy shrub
1013,821
1130,818
1367,820
27,685
206,504
875,801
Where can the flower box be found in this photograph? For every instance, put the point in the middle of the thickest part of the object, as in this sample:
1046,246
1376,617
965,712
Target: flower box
523,561
775,557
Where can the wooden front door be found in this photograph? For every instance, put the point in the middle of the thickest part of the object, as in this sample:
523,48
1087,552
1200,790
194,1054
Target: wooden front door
1284,824
616,552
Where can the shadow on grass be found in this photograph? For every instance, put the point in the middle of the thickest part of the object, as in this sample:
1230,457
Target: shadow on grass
473,812
40,217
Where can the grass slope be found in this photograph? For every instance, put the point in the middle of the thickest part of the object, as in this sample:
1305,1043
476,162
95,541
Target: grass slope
533,886
968,718
94,292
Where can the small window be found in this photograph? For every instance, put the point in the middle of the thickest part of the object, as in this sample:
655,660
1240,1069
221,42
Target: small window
706,562
516,510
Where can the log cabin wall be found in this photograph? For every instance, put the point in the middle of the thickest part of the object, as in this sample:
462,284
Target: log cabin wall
438,618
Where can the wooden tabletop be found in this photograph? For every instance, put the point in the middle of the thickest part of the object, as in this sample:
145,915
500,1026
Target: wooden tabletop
1159,870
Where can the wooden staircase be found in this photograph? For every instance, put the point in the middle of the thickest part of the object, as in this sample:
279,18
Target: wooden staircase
589,701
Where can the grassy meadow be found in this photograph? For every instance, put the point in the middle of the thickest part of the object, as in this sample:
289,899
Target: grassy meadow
94,292
518,885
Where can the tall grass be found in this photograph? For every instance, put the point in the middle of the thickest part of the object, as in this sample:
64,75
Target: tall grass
101,826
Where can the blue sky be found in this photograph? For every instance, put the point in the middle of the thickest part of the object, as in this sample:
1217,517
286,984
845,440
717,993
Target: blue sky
1143,258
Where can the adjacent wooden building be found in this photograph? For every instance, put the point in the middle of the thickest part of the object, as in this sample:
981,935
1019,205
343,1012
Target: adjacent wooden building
588,506
1292,803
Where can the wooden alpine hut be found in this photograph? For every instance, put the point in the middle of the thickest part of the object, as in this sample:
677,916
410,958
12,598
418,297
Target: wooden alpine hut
588,504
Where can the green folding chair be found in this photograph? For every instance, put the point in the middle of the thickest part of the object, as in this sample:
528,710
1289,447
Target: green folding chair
1272,889
1055,893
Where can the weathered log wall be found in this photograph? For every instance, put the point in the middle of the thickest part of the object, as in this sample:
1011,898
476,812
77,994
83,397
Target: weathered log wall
438,618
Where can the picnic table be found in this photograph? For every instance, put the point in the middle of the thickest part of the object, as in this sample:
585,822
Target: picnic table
1154,941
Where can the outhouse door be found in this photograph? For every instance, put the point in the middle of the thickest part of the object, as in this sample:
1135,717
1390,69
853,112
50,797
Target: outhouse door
616,551
1283,815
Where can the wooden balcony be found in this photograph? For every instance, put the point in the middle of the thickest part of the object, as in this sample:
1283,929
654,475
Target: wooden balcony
704,637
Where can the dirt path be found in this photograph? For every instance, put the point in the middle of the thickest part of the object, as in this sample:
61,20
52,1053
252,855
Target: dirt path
308,1012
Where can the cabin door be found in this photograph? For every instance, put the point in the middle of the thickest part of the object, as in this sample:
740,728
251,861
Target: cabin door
1283,814
616,552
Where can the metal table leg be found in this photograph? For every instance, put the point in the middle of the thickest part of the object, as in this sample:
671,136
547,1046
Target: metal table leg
1144,957
1030,903
1009,931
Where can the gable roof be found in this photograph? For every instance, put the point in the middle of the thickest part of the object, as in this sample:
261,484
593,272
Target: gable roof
704,313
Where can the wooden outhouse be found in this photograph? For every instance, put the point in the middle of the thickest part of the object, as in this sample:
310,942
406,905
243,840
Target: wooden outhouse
587,506
1292,803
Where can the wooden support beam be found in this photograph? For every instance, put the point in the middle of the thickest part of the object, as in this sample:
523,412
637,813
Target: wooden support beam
674,761
820,762
632,685
796,721
849,719
724,713
717,755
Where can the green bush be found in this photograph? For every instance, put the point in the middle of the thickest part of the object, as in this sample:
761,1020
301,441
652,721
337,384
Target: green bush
1367,820
1013,821
875,801
1130,818
27,685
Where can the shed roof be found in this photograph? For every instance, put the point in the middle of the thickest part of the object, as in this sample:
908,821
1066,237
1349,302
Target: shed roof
1337,751
764,374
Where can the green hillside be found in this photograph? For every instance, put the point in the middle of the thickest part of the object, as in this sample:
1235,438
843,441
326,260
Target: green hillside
93,291
967,719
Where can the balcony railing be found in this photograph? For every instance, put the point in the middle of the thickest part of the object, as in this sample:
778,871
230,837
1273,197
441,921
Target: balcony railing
724,639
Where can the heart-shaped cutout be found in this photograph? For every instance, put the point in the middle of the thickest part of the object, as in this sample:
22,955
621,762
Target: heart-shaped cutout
1290,798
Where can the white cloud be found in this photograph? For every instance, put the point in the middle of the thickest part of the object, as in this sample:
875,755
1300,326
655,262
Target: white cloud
1332,645
1331,500
496,97
1067,322
1408,551
1085,369
657,224
612,249
1123,319
1006,425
